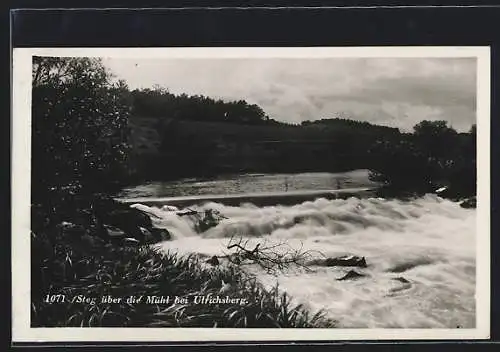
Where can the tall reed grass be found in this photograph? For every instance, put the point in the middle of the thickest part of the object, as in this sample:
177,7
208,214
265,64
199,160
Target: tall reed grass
94,271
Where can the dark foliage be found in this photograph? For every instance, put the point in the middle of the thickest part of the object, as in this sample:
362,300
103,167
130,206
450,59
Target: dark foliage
434,155
349,124
80,131
159,102
204,137
200,148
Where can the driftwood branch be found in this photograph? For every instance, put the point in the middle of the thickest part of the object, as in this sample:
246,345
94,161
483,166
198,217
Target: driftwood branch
272,257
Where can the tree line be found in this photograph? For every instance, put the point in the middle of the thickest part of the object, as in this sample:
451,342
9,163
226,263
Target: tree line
159,102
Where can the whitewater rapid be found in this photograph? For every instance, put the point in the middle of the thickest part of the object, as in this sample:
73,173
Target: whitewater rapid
420,255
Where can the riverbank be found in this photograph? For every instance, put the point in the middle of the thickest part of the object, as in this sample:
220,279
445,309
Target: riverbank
79,258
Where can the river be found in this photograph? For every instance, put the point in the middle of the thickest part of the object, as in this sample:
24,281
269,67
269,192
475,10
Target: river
251,183
420,254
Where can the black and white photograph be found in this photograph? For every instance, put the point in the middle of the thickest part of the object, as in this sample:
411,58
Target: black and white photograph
226,189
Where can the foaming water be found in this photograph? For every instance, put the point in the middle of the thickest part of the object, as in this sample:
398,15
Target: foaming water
420,256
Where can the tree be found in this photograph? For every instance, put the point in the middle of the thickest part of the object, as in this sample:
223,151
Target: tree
472,130
399,165
80,126
463,173
159,102
434,155
435,138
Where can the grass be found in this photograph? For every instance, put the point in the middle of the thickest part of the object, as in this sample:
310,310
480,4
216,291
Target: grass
73,270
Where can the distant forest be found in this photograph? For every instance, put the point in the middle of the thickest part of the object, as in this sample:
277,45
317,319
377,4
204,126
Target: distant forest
91,131
159,102
207,137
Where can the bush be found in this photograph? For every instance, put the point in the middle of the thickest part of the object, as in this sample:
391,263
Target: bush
80,126
434,155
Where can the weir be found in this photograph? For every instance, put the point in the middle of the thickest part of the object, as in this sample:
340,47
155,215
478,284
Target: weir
258,199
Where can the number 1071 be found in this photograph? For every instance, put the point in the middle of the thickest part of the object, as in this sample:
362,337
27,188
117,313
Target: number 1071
59,298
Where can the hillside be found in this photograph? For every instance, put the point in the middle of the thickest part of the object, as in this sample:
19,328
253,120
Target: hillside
200,148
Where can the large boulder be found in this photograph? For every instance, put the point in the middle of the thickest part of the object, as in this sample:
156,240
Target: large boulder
119,237
130,221
130,216
133,221
119,214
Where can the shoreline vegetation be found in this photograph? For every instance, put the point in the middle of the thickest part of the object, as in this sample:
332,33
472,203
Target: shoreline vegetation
82,259
88,134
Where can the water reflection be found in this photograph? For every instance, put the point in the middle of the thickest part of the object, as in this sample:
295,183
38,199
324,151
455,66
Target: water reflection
251,183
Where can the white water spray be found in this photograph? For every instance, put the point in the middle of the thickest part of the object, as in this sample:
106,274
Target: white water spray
420,255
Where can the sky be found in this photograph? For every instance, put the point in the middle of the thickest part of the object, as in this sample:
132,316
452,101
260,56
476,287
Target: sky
396,92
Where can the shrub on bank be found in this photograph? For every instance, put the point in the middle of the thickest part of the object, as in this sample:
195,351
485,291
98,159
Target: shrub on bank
431,157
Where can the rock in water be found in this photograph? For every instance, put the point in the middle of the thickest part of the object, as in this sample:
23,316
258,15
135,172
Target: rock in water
160,234
186,212
351,275
405,285
346,260
469,203
213,261
130,220
148,236
401,279
169,208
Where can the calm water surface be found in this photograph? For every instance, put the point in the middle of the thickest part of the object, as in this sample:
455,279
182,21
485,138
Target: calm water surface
251,183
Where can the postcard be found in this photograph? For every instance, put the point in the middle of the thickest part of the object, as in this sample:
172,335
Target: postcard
250,194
